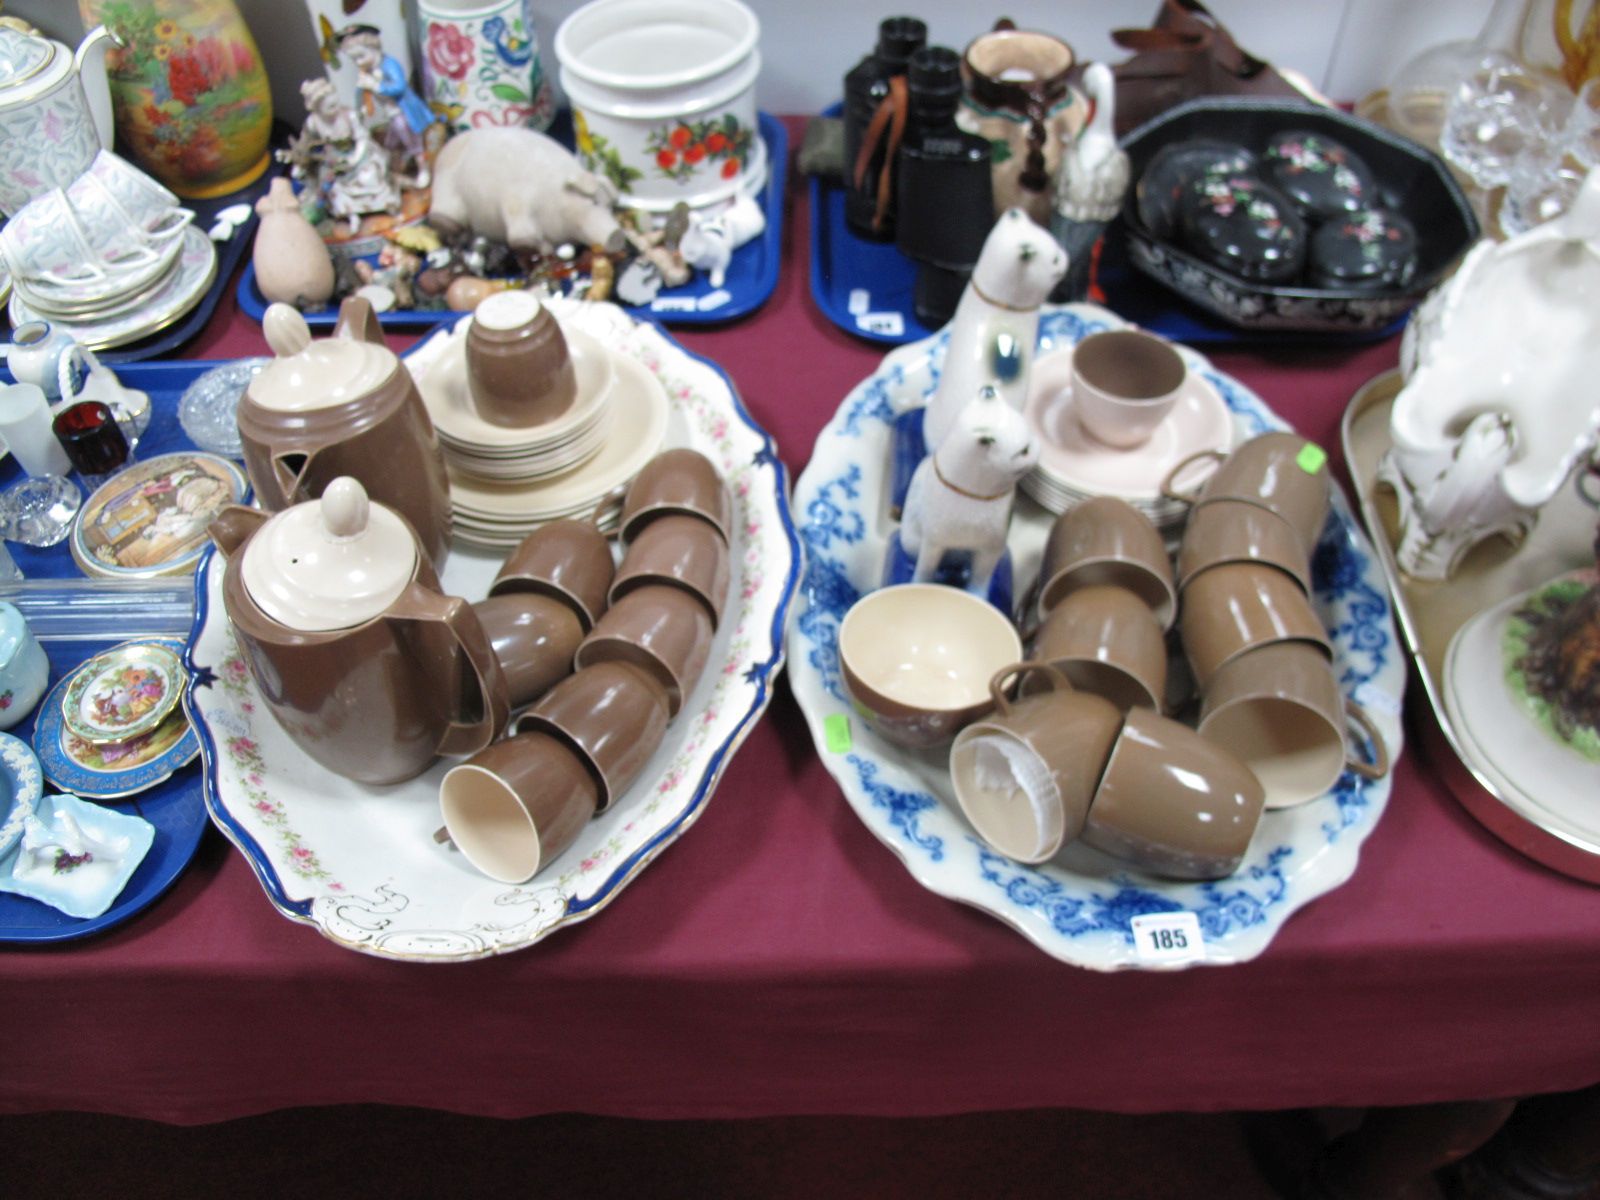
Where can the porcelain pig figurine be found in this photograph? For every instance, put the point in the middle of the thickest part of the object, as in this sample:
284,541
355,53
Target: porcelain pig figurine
960,497
522,188
996,325
1499,405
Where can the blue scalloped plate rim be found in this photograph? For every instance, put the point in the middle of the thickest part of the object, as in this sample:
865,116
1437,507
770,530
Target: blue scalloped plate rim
751,280
1077,908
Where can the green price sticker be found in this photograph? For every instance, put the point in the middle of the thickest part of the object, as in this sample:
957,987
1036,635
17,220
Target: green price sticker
836,732
1311,458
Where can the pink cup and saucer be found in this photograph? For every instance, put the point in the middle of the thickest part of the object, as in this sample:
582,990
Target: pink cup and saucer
1074,465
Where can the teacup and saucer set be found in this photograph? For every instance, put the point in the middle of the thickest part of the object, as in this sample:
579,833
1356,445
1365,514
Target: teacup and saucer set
520,457
110,257
1115,415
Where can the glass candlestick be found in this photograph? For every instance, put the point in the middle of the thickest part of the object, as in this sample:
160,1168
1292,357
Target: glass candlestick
25,426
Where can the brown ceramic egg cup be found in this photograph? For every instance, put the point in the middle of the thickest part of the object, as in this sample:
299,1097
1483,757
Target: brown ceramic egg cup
519,369
679,551
1105,541
1107,643
1279,471
1233,607
569,560
677,482
534,637
1234,531
663,631
613,714
512,808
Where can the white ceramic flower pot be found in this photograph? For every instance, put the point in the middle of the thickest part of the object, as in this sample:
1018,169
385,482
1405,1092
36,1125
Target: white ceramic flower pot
663,98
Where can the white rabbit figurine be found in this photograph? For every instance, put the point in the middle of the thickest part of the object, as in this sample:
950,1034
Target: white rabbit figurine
960,497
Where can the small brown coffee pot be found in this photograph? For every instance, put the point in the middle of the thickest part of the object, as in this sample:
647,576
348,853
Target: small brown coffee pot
343,405
366,664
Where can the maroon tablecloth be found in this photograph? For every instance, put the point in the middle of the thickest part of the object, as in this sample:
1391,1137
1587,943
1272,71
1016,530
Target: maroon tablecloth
779,960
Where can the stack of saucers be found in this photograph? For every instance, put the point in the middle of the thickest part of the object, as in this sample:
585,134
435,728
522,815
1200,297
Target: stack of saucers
507,481
1075,466
109,258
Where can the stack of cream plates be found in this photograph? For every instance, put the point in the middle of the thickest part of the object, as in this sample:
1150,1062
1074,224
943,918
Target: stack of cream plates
1074,466
504,483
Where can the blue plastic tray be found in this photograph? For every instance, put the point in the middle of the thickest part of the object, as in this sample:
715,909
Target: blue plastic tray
752,275
176,807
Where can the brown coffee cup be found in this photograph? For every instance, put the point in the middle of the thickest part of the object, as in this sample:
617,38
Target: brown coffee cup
568,559
1279,709
1280,471
1173,803
1107,541
519,369
534,637
663,631
1107,644
680,481
678,551
1229,608
513,808
613,714
1025,776
1236,531
917,658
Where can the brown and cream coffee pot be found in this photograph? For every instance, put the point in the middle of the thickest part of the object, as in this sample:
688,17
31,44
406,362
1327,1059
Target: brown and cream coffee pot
366,664
343,405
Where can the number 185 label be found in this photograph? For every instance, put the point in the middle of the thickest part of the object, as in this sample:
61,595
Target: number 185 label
1170,937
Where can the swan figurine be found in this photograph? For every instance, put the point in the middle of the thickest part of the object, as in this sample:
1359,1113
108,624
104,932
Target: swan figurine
1090,183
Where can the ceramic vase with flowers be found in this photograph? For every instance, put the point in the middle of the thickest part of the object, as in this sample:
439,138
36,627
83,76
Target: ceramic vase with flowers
190,94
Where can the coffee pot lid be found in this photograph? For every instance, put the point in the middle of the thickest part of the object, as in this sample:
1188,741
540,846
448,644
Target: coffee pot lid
22,56
308,374
330,563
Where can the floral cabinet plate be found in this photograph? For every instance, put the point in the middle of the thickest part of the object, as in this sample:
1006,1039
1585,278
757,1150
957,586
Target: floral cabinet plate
1079,906
361,864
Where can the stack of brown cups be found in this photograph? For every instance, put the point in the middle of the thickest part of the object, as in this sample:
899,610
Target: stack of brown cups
1061,765
646,633
1259,653
1106,600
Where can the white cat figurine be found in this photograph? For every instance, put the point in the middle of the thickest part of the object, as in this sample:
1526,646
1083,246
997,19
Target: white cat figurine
960,497
708,244
996,324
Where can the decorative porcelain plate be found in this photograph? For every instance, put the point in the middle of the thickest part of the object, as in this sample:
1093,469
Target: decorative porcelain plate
118,695
361,865
21,785
112,771
1079,906
151,518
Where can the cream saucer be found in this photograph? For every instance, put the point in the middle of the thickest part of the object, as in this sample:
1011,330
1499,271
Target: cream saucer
1075,461
639,422
443,385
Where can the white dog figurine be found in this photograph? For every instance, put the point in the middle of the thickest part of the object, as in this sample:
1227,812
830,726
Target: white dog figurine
960,497
708,244
996,324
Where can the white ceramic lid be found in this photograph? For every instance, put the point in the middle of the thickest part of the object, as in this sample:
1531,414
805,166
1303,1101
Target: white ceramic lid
329,563
307,374
25,63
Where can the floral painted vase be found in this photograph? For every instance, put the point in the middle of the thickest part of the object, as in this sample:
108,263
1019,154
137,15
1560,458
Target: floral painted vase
191,97
480,64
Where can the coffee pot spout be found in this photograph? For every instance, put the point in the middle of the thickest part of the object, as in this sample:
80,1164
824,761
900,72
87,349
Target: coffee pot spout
233,527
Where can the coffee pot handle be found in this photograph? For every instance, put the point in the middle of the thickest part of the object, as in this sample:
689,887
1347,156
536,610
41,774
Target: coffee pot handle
91,54
421,603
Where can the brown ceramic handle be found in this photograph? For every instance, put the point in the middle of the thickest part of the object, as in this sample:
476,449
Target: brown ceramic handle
420,603
1379,766
357,320
233,525
1169,480
1020,669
